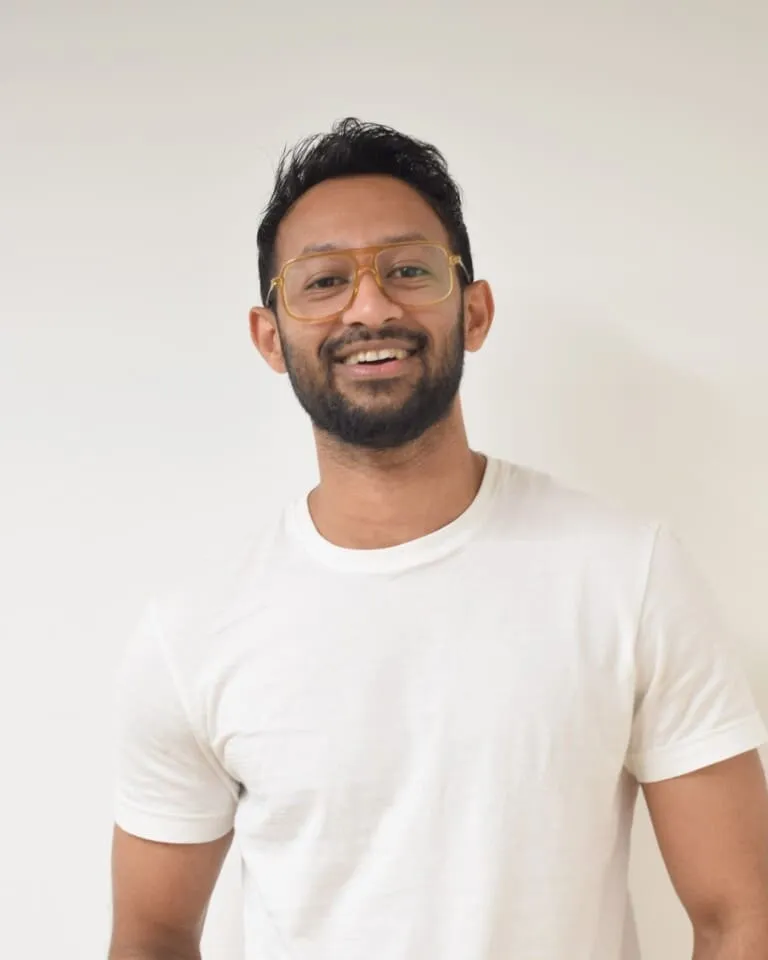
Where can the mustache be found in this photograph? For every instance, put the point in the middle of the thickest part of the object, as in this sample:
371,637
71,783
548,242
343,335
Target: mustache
331,347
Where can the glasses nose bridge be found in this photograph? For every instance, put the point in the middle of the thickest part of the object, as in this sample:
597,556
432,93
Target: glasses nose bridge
361,268
366,261
371,266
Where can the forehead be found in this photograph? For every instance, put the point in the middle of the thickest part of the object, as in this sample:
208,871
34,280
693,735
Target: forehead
356,212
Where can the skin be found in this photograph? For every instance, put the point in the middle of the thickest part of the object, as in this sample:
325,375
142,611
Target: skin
711,825
160,895
712,830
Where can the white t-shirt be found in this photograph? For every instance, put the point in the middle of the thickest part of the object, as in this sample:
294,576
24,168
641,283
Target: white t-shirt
432,751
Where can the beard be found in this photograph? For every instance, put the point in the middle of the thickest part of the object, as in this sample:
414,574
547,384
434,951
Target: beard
390,425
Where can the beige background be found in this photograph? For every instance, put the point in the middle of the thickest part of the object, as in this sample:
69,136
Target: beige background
614,159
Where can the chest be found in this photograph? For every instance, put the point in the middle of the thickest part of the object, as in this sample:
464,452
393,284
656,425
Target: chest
354,689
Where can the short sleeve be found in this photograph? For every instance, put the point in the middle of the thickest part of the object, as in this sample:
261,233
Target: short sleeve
168,787
693,704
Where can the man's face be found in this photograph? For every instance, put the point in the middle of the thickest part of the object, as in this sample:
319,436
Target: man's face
364,404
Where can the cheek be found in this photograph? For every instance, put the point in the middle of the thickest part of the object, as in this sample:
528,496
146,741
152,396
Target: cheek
437,323
303,347
445,329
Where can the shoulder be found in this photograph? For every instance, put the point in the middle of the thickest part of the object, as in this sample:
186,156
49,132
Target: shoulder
224,586
538,506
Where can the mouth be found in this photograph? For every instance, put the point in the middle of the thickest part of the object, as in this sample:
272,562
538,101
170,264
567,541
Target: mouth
377,363
377,357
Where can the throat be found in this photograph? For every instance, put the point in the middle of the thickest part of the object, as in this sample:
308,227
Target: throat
387,512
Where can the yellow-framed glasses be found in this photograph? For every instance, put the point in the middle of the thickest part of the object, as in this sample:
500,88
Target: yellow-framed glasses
318,286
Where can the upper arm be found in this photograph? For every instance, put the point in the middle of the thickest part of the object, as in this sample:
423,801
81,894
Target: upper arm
693,744
174,803
693,702
712,829
170,787
160,891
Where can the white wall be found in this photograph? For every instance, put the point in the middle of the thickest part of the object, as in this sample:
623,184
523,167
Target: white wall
614,162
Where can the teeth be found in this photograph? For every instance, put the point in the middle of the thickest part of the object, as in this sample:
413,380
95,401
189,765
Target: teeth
371,356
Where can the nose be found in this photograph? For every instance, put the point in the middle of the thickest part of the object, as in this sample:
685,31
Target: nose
371,306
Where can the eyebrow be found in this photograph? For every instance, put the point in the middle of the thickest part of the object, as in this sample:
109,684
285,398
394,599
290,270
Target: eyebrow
394,238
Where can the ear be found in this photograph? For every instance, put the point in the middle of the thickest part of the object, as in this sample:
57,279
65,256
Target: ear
266,337
479,310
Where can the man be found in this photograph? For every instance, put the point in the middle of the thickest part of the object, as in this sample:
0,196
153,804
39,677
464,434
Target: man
426,697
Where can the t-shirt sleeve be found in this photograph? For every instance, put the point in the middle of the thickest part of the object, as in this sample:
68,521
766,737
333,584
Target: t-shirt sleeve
693,704
169,786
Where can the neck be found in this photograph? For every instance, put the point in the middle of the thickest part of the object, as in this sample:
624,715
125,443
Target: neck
369,499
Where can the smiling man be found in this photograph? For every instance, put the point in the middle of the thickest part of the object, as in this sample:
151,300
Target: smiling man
425,699
376,380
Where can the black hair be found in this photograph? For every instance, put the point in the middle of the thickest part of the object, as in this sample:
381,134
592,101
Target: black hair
354,148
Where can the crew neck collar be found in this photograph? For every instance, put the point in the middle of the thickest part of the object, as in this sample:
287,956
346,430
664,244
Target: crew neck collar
426,549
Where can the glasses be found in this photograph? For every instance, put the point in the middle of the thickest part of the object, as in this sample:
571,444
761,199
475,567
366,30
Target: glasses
318,286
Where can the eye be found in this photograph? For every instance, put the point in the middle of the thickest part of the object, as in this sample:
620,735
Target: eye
325,283
408,271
